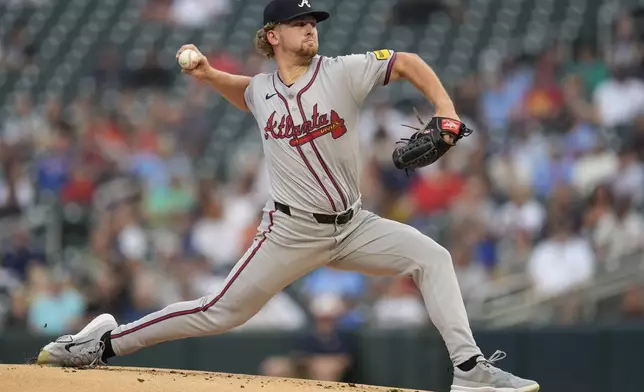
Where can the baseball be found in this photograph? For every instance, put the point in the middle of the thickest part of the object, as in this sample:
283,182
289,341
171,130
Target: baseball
188,59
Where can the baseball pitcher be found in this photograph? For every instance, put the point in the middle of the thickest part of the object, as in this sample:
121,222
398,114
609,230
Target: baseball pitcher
307,114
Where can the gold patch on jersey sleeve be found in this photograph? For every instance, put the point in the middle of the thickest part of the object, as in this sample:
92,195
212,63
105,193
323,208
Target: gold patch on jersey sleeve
382,54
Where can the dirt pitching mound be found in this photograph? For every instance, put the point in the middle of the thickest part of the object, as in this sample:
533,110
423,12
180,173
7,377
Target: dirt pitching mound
34,378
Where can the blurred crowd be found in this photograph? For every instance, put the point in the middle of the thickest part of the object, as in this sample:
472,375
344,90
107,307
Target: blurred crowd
548,189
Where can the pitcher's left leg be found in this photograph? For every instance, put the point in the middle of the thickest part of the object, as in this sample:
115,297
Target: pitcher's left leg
384,247
378,246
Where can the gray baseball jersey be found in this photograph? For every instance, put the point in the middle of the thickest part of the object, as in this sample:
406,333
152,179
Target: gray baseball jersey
309,129
311,148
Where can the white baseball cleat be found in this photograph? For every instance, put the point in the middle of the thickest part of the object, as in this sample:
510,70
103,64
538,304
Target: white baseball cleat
83,349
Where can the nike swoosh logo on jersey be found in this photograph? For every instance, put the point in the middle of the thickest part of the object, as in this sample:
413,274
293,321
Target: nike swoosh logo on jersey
70,345
270,96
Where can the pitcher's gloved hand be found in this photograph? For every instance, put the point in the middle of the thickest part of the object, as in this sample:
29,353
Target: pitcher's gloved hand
428,143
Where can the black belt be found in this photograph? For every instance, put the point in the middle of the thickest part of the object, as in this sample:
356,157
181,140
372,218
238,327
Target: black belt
339,219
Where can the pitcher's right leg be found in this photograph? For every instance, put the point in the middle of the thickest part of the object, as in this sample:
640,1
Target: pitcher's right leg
238,301
265,269
270,264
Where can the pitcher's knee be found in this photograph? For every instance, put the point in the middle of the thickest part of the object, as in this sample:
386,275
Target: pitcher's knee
223,318
435,256
232,318
443,255
239,318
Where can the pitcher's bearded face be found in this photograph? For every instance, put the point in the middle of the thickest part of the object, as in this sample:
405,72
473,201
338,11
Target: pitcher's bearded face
299,36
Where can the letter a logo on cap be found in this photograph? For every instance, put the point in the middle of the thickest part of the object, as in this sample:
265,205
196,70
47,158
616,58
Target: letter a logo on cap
304,2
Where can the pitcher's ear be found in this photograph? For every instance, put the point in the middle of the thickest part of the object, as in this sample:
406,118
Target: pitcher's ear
273,37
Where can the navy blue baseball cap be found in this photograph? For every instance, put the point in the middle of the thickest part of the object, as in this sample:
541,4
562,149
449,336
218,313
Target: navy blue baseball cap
278,11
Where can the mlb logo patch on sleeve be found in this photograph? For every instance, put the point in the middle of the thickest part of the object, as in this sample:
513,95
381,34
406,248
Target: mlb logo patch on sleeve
382,54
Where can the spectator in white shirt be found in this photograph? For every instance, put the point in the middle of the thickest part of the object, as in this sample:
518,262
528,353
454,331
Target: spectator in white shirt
25,125
630,180
400,307
132,241
619,233
522,212
594,168
198,13
561,262
509,168
213,238
620,99
16,186
240,205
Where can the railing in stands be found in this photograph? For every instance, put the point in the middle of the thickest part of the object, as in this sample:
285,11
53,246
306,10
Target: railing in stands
525,307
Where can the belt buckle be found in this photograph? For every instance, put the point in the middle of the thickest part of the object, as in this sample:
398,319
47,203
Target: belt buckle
346,213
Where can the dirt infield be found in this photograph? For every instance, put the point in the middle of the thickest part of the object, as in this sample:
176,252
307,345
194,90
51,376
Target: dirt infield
33,378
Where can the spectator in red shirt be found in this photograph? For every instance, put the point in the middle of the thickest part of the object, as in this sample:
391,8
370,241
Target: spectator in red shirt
80,188
435,191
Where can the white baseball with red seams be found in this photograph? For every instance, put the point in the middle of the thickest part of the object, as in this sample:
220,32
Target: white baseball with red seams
188,59
311,145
